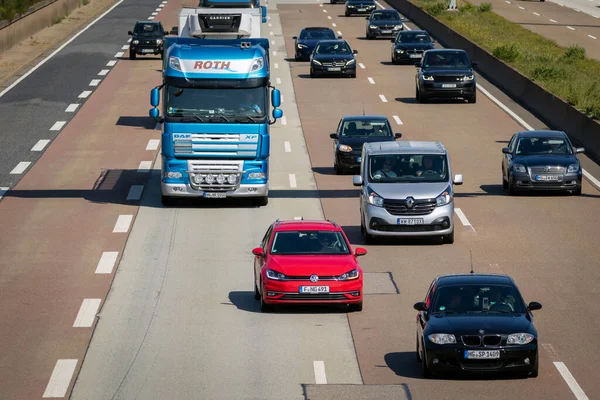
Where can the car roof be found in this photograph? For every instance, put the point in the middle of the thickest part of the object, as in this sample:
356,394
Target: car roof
385,11
333,41
414,31
308,225
365,118
461,279
446,51
317,28
148,22
542,132
405,147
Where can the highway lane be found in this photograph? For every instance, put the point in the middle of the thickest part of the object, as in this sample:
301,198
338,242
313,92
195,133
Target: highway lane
509,235
591,7
38,107
181,321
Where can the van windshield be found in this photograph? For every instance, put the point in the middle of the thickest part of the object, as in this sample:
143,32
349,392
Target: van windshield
408,168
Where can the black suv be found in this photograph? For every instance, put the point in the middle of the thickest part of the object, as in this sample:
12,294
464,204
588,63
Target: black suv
147,38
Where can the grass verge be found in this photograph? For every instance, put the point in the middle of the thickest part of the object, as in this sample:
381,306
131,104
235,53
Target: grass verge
564,72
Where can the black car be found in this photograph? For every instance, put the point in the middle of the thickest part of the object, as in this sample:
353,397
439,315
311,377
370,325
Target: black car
354,7
333,57
410,46
476,323
352,132
147,38
445,73
383,23
541,160
308,39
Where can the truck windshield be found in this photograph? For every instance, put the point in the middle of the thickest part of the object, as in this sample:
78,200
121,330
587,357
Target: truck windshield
247,105
398,168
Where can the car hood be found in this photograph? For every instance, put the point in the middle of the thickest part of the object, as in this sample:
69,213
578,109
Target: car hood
332,57
313,264
385,22
360,3
448,72
310,43
473,323
359,141
400,191
546,159
415,46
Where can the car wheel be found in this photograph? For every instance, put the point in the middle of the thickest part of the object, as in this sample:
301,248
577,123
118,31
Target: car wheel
449,238
504,183
338,170
394,61
424,368
256,292
511,189
347,15
264,307
356,307
417,94
162,55
577,192
362,226
417,351
168,201
312,74
369,37
353,75
535,371
132,55
261,201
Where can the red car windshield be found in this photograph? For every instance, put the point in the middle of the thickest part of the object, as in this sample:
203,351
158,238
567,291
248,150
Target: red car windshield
309,242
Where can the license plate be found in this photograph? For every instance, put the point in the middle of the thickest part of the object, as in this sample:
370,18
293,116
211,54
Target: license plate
217,195
384,32
334,69
448,85
415,55
357,159
147,51
546,177
314,289
482,354
362,9
410,221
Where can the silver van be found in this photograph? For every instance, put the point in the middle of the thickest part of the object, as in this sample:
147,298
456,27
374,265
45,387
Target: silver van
406,190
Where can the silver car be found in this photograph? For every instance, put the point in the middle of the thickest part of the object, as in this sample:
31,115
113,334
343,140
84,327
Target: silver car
406,190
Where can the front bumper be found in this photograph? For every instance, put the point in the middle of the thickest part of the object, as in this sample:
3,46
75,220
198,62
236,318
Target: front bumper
186,190
356,11
343,70
288,292
379,222
445,358
348,160
435,89
567,182
146,49
378,32
407,57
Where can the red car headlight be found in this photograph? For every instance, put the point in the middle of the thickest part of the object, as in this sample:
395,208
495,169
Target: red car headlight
271,274
348,276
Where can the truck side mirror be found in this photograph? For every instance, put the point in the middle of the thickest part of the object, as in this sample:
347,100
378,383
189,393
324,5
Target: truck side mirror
277,113
154,113
154,97
276,98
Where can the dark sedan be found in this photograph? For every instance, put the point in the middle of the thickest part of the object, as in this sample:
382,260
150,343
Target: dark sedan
333,57
445,73
147,38
354,7
383,23
409,46
476,323
308,39
541,160
352,133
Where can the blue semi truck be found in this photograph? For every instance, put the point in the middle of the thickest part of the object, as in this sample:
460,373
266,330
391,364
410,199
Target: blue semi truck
216,98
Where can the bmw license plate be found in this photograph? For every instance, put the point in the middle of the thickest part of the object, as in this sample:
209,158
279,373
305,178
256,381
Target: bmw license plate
448,85
334,69
215,195
410,221
482,354
546,177
357,159
415,55
314,289
386,32
147,51
362,9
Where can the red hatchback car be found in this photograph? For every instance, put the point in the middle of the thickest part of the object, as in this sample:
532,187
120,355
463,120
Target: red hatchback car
307,262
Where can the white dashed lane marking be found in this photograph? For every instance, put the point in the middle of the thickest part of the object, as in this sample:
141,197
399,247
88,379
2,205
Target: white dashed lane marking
58,125
371,81
462,217
123,223
39,146
72,107
111,63
3,191
292,178
60,379
382,97
135,193
553,21
85,94
536,14
20,168
144,166
95,82
278,80
119,54
593,37
320,377
339,33
288,147
398,120
521,8
361,65
570,27
333,24
125,47
153,144
150,18
103,72
87,313
107,262
284,120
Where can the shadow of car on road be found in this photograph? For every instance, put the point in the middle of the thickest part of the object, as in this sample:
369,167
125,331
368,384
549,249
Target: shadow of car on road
245,301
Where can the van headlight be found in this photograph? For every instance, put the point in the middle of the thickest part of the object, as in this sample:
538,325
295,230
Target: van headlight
444,198
375,199
175,63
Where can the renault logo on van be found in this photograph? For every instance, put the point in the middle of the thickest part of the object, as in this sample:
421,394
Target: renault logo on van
410,202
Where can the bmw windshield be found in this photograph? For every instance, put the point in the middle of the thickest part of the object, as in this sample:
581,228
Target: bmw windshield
467,299
317,34
247,105
386,16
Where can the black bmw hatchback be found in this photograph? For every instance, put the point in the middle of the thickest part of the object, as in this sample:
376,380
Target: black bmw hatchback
476,323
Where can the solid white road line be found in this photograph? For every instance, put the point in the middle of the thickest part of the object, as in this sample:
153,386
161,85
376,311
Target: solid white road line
278,80
95,82
111,63
87,313
153,144
398,120
103,72
85,94
107,262
573,385
135,193
371,80
3,191
58,125
592,180
284,120
593,37
144,166
571,28
288,147
292,178
382,97
60,378
125,47
462,217
72,107
119,54
320,377
15,83
361,65
122,224
39,146
20,168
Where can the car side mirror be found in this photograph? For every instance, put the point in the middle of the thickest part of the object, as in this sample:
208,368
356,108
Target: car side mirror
393,40
333,135
367,18
357,180
506,150
258,251
458,179
339,37
534,305
397,135
295,37
360,252
417,65
474,63
420,306
175,30
354,51
579,150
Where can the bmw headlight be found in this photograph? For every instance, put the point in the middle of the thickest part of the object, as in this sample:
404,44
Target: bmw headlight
316,62
302,46
173,175
520,338
135,42
372,26
174,63
350,62
375,199
158,41
344,148
518,168
399,51
444,198
257,64
278,276
468,78
427,78
573,168
442,338
398,27
348,276
256,175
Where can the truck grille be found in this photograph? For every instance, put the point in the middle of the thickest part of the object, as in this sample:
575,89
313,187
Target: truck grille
218,145
399,207
215,176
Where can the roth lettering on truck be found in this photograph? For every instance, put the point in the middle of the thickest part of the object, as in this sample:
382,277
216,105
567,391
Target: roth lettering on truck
212,64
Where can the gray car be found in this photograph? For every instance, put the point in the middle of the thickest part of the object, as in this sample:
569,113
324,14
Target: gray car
406,190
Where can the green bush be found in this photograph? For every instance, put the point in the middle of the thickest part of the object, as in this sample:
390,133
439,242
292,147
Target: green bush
508,53
11,8
436,8
485,7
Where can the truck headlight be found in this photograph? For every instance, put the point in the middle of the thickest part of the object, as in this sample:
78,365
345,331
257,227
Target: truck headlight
173,175
135,41
348,276
278,276
427,78
344,148
444,198
375,199
518,168
442,338
573,168
175,63
256,175
257,64
520,338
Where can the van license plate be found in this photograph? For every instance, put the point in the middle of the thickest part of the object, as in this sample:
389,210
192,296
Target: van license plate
410,221
215,195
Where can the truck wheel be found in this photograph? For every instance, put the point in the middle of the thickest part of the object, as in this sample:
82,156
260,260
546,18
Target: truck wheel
132,55
261,201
